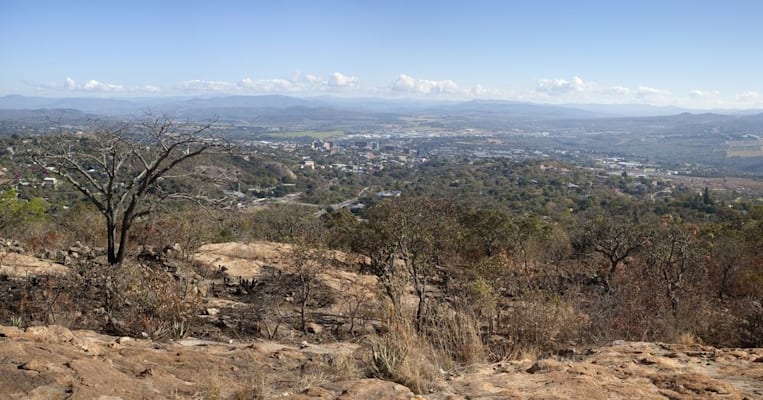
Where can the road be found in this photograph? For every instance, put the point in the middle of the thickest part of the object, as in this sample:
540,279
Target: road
343,204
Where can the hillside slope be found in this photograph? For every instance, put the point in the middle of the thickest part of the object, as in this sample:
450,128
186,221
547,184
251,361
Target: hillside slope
56,363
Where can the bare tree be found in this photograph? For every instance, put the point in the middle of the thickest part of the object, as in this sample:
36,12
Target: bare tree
728,255
615,238
308,263
408,240
118,167
731,251
673,257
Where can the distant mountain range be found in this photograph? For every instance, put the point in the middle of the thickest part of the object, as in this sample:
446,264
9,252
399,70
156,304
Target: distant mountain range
359,114
122,106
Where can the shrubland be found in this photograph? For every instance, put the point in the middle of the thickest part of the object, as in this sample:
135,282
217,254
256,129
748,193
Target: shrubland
473,263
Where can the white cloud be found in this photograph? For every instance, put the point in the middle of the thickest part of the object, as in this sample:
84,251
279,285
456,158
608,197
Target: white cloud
201,85
481,91
698,94
646,91
96,86
93,86
310,78
338,79
408,84
617,91
269,85
149,89
748,97
404,83
248,83
70,84
310,81
570,90
336,82
561,86
576,89
300,83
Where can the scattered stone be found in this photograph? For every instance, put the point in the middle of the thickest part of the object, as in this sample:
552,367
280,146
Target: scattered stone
49,392
536,367
123,339
313,328
11,246
25,266
566,353
89,346
647,361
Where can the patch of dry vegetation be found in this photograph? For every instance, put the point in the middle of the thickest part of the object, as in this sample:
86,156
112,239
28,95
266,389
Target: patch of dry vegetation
472,288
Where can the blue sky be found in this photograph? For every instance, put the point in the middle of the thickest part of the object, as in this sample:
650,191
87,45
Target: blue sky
689,53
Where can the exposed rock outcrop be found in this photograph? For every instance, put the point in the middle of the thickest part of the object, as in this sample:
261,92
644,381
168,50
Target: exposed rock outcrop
56,363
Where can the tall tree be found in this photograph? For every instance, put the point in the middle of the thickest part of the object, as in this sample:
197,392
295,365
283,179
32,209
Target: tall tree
119,168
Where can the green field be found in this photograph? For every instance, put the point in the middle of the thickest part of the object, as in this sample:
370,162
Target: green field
311,134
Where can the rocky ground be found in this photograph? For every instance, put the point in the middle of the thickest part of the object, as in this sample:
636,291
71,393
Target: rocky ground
53,362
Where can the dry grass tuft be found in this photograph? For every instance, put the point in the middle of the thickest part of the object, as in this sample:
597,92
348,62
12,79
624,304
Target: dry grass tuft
456,337
543,326
403,357
688,339
343,366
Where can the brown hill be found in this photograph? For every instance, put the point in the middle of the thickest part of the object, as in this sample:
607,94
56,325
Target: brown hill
53,362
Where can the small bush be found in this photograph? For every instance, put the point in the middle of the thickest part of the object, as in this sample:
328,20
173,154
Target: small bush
751,325
343,366
455,335
142,300
545,325
46,300
403,357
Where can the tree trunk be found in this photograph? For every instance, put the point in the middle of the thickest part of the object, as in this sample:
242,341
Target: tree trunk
302,317
111,237
394,296
120,256
724,281
420,310
611,274
420,285
303,306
